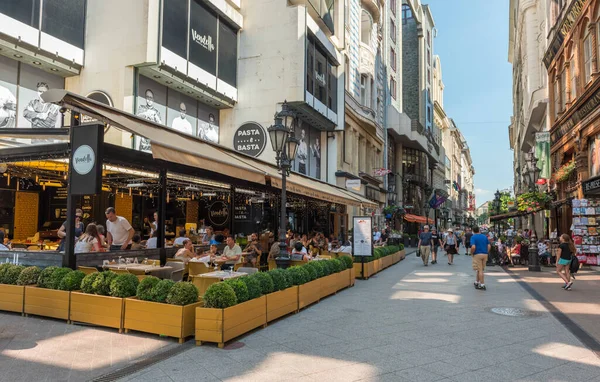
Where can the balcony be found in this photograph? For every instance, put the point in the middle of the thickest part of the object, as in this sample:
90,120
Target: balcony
364,113
367,60
407,131
373,7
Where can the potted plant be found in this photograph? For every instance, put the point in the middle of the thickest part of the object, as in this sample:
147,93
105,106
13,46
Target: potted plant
11,294
406,239
162,307
102,299
414,241
50,294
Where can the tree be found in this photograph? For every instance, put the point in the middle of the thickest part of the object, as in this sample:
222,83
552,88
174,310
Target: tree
505,197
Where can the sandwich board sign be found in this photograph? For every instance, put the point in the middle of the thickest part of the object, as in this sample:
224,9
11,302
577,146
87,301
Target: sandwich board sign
362,236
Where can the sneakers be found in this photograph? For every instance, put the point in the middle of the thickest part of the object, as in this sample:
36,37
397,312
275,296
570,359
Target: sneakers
434,262
568,286
425,265
481,287
564,286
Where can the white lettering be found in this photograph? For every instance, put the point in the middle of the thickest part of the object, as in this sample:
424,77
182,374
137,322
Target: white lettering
204,41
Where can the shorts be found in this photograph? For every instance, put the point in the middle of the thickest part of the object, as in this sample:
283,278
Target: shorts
479,261
564,262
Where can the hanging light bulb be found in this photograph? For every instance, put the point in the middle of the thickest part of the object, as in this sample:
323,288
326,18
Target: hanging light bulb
130,192
121,194
8,179
140,192
168,198
44,187
192,196
65,176
150,194
37,179
228,198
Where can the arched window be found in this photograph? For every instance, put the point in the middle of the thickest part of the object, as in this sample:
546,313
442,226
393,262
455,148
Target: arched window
406,13
366,27
572,66
587,57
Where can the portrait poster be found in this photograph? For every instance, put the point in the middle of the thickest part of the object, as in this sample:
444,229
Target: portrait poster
302,152
8,90
208,123
594,156
181,112
151,105
315,154
542,153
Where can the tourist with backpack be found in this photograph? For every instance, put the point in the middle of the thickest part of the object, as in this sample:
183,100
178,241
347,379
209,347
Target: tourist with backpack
564,255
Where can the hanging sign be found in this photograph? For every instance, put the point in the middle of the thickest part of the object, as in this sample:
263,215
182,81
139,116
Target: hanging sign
353,184
86,163
362,234
250,139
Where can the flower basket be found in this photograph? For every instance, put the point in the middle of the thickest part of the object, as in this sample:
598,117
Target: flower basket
563,173
532,201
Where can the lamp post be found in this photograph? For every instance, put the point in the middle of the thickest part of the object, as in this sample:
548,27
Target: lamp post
284,145
533,173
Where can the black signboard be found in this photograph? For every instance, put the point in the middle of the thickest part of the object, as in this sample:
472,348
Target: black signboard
218,213
227,53
203,38
86,159
591,187
243,212
57,203
175,20
250,139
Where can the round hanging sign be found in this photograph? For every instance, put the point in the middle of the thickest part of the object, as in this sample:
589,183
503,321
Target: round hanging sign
84,160
250,139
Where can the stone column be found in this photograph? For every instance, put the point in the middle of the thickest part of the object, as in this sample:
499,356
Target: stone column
581,163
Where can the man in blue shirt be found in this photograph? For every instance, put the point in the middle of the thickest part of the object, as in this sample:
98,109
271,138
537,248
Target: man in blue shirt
480,248
425,244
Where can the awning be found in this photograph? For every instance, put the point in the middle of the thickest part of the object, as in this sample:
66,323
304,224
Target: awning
513,214
417,219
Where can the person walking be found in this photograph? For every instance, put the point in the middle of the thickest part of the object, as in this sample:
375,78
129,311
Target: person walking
564,254
480,248
119,230
425,244
467,241
435,243
450,243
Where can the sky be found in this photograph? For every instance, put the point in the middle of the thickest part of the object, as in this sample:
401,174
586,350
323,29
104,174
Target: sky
472,42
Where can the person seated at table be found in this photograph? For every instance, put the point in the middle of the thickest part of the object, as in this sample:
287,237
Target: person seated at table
515,252
218,239
179,240
89,241
102,235
187,252
253,249
151,243
201,257
232,252
299,253
136,242
209,236
3,247
543,252
335,246
274,251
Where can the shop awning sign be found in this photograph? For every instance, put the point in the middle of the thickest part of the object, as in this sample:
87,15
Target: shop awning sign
250,139
353,184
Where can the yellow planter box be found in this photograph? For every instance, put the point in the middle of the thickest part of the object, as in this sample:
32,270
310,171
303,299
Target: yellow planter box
222,325
352,276
97,310
344,279
378,265
402,254
282,302
47,302
11,298
329,285
396,257
369,269
309,293
157,318
387,261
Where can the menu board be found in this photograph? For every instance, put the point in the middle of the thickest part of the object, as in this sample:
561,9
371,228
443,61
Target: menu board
362,236
58,204
243,212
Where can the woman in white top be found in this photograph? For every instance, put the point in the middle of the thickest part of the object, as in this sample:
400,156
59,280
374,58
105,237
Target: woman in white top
89,241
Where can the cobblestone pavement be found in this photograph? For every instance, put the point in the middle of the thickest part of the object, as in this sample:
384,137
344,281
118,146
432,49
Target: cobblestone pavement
408,323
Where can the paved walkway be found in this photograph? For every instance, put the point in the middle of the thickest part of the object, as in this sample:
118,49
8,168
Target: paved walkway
408,323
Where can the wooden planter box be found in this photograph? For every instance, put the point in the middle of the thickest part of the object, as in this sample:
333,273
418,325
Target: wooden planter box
11,298
387,261
378,265
329,285
157,318
282,302
309,293
97,310
344,279
47,302
352,276
369,269
396,257
222,325
402,254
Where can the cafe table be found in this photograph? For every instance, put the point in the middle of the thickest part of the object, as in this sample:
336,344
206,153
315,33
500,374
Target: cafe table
203,281
146,268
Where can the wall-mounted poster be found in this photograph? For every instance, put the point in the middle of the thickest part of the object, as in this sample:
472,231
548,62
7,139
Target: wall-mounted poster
181,112
8,90
594,156
301,162
315,154
309,152
151,101
208,123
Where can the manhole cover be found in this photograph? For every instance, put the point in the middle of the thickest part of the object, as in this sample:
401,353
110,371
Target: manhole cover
513,312
234,345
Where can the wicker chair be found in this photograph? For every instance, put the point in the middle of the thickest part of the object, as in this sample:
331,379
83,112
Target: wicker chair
197,268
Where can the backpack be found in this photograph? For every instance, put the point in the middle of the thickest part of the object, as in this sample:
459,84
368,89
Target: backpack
574,267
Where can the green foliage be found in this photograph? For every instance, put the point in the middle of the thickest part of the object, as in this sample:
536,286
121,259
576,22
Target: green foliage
161,290
3,269
380,252
101,285
144,289
220,296
319,266
328,267
279,278
87,284
183,293
347,260
57,277
253,285
124,285
11,275
239,288
266,282
338,266
29,276
312,271
45,279
72,281
298,275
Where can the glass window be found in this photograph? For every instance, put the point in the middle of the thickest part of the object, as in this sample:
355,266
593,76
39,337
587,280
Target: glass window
393,59
25,11
393,7
428,38
563,90
363,90
332,88
573,79
320,77
393,87
310,65
65,20
392,30
406,13
203,37
175,28
366,27
556,98
587,58
227,54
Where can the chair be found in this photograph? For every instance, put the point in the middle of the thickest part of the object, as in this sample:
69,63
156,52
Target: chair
120,271
87,270
328,257
248,270
137,272
177,272
272,264
33,248
197,268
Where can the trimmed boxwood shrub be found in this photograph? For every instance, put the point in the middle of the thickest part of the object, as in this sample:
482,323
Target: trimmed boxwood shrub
266,282
312,272
219,296
124,285
87,284
144,289
57,276
72,281
183,293
101,285
11,275
45,279
337,265
329,267
319,266
298,275
3,269
29,276
280,279
347,260
239,288
161,290
253,285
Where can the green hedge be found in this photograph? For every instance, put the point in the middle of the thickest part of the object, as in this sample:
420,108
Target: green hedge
9,274
380,252
29,276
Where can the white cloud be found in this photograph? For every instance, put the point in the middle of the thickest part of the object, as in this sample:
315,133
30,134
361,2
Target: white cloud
482,194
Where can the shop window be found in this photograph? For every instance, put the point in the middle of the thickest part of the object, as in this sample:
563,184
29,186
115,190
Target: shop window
366,27
587,58
573,79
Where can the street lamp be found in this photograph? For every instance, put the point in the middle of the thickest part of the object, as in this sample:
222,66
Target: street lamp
533,173
284,145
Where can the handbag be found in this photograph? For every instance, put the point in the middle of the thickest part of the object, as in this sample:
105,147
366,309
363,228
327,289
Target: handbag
418,253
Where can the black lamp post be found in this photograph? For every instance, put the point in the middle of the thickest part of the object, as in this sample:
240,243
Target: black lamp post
284,145
533,173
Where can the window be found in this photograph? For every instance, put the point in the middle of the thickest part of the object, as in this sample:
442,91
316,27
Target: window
363,90
563,90
428,76
406,13
392,30
393,87
393,7
393,59
587,58
332,87
556,98
366,27
428,38
572,66
321,75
